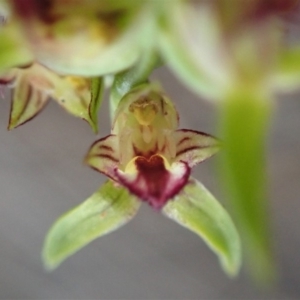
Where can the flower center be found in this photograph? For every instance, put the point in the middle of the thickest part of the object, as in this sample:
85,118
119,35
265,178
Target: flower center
152,163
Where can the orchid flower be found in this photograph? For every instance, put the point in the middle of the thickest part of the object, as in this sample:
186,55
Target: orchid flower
147,159
145,151
85,38
33,85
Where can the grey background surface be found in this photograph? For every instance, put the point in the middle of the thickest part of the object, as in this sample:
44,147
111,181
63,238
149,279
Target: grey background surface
42,176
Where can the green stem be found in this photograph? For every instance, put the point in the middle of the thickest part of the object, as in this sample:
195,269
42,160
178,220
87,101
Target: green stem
126,80
245,118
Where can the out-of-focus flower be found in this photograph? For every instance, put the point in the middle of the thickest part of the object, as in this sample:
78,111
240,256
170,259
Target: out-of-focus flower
86,37
146,152
14,49
216,47
236,54
33,85
4,11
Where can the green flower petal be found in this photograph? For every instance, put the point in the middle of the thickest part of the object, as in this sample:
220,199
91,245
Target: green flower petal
106,210
31,90
194,147
27,102
33,85
73,93
196,209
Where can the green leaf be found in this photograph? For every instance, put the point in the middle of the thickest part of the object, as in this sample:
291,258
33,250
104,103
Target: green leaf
106,210
245,116
196,209
97,88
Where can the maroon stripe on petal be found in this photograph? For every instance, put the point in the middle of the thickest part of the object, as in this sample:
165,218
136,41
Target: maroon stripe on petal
102,140
190,149
104,173
33,116
39,105
194,131
183,140
27,99
194,147
103,156
25,66
105,147
107,156
100,149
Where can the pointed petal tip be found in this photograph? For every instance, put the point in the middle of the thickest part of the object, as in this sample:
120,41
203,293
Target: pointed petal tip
49,265
86,160
197,210
14,125
10,127
231,268
94,128
50,258
91,123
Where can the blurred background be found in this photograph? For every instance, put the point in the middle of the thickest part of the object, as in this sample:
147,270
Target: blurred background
42,176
